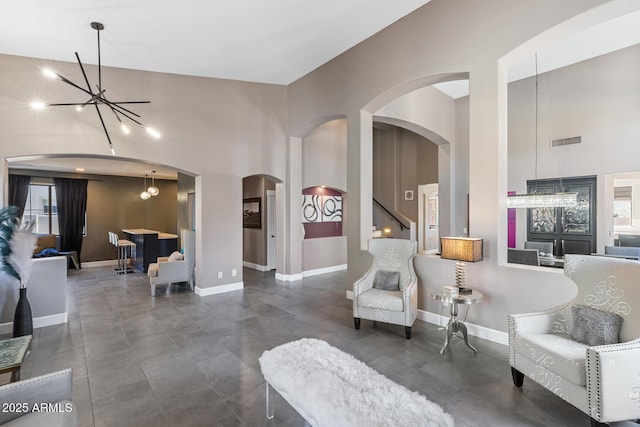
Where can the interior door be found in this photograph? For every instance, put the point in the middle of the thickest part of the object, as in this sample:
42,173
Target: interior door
428,224
271,230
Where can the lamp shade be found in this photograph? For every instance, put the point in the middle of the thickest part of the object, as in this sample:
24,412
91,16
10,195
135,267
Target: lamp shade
467,249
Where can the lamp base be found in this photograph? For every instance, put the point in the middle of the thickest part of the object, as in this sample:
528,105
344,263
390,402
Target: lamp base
464,291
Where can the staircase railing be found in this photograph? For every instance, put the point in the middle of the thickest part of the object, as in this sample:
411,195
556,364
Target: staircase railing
402,224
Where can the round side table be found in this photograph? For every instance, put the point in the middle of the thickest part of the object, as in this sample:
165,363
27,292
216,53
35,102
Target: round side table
454,326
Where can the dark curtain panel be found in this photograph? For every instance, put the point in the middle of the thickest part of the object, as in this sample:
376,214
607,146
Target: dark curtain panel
18,191
71,195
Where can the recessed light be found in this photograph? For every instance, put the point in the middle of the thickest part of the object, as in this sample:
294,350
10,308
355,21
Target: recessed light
79,169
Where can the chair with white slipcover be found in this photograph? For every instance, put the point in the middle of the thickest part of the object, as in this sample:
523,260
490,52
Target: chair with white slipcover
388,292
177,267
586,351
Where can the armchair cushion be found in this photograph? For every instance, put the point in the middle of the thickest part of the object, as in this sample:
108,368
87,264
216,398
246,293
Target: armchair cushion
387,280
595,327
556,353
384,300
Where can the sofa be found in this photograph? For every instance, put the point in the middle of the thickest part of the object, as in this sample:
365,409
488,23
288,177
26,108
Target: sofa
46,400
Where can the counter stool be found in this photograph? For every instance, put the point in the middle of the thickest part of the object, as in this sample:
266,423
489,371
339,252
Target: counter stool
126,249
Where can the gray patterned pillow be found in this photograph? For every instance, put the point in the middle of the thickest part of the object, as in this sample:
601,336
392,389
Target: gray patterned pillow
595,327
387,280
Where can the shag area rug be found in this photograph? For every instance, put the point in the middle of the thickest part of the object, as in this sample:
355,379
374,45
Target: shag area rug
331,388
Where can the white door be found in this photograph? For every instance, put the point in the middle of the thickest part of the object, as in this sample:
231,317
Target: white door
428,234
271,230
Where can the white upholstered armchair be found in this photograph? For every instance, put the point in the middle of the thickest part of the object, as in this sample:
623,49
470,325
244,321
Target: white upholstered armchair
177,267
602,380
388,292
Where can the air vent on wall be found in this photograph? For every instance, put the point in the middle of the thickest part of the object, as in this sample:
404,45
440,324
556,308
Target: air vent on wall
566,141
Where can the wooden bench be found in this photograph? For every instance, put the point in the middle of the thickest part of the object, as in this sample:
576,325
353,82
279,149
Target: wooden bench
329,387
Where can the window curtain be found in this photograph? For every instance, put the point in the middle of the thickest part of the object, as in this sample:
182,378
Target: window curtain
18,191
71,196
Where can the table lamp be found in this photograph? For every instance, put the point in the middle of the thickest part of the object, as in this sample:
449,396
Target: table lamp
461,249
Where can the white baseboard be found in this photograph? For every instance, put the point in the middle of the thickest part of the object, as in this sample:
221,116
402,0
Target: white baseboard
475,330
289,277
105,263
213,290
38,322
309,273
255,266
324,270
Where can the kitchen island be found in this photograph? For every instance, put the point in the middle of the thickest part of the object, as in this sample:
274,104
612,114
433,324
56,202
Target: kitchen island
150,244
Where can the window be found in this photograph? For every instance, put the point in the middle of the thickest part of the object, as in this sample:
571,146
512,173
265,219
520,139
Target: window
622,205
41,209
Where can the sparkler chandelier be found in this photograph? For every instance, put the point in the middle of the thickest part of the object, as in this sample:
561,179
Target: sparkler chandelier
98,98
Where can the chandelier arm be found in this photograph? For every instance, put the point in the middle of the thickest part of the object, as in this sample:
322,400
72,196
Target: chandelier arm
85,74
104,127
69,82
130,102
118,106
70,104
122,111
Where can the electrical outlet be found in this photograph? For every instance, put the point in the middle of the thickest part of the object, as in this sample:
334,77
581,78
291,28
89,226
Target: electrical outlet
234,272
219,274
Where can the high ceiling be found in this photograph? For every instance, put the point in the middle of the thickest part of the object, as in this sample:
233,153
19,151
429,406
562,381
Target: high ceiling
268,41
274,41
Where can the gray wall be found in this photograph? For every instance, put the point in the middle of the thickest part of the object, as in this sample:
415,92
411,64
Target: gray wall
186,185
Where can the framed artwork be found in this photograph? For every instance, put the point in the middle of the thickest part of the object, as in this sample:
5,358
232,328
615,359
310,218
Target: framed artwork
252,212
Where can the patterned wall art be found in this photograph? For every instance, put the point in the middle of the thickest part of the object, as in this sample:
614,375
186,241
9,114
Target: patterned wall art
311,208
321,212
316,208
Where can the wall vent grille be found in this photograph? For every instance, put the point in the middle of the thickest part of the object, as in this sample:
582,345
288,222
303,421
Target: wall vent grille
566,141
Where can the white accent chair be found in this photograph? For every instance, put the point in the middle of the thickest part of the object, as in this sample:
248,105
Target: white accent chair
167,271
603,381
396,307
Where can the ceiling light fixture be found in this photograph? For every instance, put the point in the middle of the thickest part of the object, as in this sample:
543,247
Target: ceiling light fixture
153,190
98,98
145,194
538,200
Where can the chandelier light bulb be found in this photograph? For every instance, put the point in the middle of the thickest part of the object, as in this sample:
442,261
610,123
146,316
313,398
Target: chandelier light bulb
153,190
154,133
49,73
125,129
145,195
38,105
79,109
113,151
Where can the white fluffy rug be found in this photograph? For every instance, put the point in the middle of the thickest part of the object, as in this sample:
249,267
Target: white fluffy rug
331,388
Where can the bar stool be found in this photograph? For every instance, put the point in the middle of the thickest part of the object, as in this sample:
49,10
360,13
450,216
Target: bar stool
125,248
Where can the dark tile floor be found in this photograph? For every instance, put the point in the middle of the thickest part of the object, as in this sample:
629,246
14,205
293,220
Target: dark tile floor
181,360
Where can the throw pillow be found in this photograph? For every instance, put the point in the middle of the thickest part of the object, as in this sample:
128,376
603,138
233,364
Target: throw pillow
176,256
387,280
594,327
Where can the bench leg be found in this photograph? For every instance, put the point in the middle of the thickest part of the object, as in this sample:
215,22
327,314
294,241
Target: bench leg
269,404
356,322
